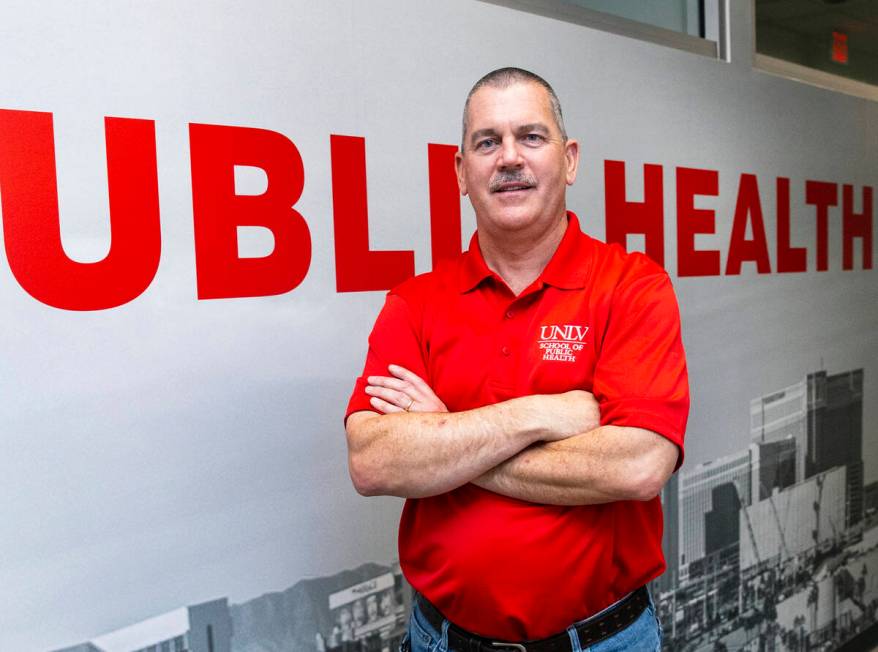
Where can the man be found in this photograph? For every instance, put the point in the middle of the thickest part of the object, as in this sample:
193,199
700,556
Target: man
529,399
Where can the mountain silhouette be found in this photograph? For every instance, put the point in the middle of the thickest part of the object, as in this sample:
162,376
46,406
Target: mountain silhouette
288,621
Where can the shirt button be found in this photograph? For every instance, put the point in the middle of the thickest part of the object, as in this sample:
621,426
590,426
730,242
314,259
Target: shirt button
509,314
505,350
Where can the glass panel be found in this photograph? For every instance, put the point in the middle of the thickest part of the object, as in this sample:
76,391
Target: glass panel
688,25
834,36
685,16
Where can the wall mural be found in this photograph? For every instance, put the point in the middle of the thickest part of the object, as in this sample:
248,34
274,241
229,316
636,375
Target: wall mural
191,264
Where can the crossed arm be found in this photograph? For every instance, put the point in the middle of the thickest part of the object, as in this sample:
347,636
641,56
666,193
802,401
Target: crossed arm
544,448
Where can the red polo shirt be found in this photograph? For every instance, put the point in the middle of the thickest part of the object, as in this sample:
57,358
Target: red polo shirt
596,319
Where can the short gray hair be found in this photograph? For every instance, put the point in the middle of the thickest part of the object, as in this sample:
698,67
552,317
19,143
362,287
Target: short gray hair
505,77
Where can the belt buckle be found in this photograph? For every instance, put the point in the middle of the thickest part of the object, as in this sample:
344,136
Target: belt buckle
511,646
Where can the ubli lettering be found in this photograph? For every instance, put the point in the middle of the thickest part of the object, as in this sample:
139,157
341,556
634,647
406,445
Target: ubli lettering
32,238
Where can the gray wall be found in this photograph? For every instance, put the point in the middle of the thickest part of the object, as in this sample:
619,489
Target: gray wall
172,450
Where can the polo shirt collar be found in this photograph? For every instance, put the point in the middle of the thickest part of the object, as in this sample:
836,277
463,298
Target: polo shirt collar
565,269
473,269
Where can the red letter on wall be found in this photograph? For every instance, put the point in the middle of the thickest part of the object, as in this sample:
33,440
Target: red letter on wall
691,221
31,224
789,259
822,195
856,226
444,203
357,268
646,217
741,249
218,212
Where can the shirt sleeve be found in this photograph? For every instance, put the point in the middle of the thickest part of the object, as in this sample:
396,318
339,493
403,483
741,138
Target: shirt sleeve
641,379
395,339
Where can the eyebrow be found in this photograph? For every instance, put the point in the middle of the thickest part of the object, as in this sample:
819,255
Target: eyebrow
533,126
481,133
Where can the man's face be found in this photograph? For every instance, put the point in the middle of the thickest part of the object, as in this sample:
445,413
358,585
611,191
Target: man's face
515,166
386,603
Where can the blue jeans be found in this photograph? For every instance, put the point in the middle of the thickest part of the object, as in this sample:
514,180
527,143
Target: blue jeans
643,635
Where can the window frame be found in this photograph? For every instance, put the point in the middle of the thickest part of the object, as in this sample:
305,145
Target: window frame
813,77
718,49
615,25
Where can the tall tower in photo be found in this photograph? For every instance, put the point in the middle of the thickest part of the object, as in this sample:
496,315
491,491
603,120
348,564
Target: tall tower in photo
728,475
670,493
835,432
779,426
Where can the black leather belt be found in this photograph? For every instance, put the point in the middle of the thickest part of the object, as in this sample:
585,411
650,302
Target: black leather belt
590,631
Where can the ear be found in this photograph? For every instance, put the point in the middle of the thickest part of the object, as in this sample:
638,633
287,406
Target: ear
458,166
571,155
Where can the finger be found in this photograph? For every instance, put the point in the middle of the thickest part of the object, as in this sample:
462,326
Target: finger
420,390
410,377
383,406
392,383
417,394
390,395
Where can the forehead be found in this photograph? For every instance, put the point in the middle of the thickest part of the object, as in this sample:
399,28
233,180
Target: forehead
491,107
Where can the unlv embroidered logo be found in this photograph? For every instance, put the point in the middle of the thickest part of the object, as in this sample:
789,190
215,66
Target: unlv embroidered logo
562,343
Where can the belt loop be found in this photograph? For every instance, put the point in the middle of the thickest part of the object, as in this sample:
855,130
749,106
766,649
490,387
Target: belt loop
443,643
574,639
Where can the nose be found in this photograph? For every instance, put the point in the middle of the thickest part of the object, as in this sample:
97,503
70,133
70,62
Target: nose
510,155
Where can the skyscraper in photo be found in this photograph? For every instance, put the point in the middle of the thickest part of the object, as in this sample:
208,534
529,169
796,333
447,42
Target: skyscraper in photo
696,496
670,495
835,432
782,416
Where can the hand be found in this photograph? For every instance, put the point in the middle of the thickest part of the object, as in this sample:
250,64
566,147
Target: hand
403,391
570,413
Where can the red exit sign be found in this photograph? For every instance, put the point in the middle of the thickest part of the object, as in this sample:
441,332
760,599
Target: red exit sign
839,47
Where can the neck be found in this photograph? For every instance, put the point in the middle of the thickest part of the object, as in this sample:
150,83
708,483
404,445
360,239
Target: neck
520,257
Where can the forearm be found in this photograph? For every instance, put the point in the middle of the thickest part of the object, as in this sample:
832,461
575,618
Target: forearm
414,454
603,465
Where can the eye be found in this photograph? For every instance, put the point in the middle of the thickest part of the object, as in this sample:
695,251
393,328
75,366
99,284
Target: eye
534,138
486,143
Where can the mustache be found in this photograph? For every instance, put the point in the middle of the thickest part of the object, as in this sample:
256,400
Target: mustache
511,177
